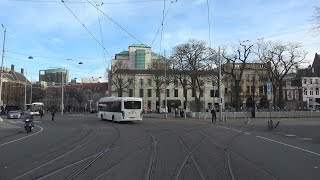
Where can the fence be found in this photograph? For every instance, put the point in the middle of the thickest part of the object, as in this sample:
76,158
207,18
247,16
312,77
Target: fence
273,114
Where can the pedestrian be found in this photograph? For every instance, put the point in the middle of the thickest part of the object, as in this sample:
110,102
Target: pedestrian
52,114
41,113
214,116
176,112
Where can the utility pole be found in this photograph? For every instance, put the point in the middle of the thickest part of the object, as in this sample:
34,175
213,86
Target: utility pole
4,42
31,91
220,95
62,90
165,77
25,92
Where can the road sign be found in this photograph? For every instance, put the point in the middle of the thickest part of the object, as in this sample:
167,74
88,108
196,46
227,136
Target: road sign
269,95
268,87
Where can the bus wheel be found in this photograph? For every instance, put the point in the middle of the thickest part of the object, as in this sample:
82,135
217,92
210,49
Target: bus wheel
101,117
113,118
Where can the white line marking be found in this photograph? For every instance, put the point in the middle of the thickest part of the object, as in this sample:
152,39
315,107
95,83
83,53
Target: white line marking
23,137
290,135
311,152
247,133
306,139
236,130
316,167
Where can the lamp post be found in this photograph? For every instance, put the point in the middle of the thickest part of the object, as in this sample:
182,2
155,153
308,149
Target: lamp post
4,42
253,94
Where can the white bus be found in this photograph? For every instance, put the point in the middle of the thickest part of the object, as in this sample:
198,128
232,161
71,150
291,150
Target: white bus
35,108
120,109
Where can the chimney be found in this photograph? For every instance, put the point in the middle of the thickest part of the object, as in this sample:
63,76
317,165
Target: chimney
22,71
12,67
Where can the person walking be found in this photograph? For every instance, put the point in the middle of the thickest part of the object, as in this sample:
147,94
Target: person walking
214,116
41,113
52,114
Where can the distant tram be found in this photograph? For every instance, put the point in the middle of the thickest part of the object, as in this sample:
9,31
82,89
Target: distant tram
120,109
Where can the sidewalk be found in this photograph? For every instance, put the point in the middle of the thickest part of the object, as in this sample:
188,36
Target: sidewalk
8,129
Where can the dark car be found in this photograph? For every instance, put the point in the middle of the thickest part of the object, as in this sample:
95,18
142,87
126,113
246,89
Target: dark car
93,110
9,108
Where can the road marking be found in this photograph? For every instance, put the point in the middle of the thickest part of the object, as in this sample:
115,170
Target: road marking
316,167
247,133
1,119
306,139
311,152
41,129
290,135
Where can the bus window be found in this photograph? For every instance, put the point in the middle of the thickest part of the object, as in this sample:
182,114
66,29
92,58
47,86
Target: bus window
132,104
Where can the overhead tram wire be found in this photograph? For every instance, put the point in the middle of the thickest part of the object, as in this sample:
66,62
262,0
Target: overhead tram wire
115,22
85,27
80,2
209,23
163,20
102,41
163,14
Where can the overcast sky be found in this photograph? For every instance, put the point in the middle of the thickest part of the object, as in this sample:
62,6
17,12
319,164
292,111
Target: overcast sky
49,32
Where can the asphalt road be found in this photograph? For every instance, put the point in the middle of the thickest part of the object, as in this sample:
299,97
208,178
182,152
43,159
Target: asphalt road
83,147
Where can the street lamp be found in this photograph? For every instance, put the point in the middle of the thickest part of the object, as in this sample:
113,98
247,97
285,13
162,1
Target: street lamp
4,41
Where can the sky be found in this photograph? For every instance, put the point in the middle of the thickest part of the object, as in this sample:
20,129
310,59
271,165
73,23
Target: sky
60,35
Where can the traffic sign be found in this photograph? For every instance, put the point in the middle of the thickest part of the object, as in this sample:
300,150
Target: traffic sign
268,95
268,87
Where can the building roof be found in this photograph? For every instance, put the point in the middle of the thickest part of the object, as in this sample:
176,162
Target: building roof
311,71
124,53
140,45
158,71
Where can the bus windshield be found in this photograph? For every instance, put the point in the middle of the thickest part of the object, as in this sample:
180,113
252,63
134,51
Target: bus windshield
132,104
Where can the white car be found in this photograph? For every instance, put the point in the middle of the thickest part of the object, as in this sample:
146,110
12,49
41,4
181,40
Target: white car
14,115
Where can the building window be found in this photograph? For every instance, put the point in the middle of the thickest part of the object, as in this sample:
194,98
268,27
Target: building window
201,82
217,93
176,83
149,93
141,92
168,92
311,91
167,82
310,81
211,93
248,89
304,81
130,92
176,93
316,81
201,92
305,92
317,91
141,82
185,92
261,90
149,82
149,104
130,81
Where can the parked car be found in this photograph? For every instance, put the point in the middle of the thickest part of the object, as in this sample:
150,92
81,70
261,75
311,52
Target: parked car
93,111
14,114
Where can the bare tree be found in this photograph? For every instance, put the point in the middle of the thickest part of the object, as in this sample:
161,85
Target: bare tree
190,62
316,19
157,68
280,58
233,67
119,79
